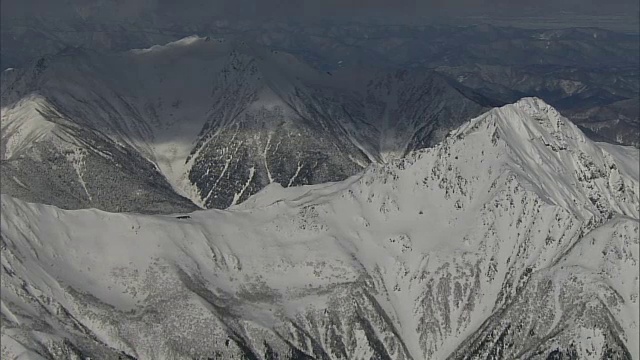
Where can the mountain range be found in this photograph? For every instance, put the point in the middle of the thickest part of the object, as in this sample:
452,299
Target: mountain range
206,123
317,190
515,236
590,75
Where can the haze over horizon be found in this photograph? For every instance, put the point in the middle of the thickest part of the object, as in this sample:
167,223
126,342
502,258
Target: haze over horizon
619,15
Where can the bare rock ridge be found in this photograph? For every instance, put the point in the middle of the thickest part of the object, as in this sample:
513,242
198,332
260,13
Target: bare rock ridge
515,237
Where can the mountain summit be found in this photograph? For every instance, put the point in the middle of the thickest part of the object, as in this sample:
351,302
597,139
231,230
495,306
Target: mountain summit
515,237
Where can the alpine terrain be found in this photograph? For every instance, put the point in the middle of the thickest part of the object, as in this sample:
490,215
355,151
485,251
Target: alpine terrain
513,237
206,123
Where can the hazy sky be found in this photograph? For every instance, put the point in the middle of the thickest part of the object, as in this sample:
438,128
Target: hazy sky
615,14
320,7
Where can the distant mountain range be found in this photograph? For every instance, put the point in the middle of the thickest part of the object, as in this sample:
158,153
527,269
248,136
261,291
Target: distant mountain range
578,70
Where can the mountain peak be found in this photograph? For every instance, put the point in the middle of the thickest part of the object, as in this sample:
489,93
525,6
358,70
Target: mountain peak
554,156
426,257
529,118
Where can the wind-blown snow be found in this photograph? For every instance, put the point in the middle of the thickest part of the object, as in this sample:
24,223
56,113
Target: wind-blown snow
189,40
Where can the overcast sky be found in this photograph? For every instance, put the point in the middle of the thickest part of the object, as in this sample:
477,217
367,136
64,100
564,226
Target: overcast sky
184,10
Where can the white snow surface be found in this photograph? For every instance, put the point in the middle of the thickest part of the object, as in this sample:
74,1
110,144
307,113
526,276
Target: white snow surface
23,125
426,248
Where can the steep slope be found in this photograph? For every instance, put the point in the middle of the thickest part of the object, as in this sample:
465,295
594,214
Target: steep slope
47,158
416,109
178,107
618,122
218,120
515,237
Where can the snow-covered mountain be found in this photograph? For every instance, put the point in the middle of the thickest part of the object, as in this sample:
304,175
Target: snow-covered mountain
516,237
207,122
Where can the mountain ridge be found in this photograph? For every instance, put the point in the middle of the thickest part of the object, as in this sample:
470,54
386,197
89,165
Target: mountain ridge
215,140
465,250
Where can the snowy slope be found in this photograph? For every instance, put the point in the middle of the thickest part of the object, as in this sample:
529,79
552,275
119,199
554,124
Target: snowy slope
516,237
47,158
220,120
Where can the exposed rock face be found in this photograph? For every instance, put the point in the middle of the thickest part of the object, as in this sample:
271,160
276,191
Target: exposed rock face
47,158
203,122
516,237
